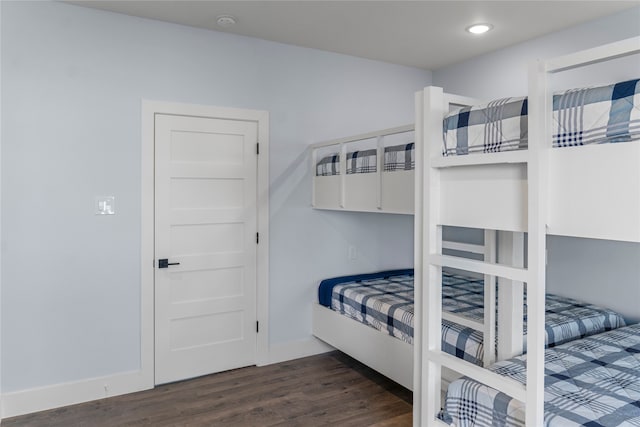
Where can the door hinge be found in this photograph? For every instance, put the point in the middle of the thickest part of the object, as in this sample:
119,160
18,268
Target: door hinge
257,238
257,326
257,148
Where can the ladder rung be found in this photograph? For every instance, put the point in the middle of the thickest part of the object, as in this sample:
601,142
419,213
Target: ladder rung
506,385
463,320
464,247
511,273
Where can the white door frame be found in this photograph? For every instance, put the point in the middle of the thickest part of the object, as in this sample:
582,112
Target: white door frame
149,110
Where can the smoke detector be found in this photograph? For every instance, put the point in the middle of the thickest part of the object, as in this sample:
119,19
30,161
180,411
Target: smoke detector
226,20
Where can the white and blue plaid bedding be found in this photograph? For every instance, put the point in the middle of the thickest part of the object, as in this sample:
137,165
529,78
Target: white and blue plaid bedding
594,381
566,319
400,157
580,117
385,303
364,161
328,165
397,157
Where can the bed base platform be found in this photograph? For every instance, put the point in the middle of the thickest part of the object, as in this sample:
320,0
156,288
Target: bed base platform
589,186
390,356
378,350
594,191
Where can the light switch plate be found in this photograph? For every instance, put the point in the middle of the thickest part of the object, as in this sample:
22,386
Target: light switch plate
105,205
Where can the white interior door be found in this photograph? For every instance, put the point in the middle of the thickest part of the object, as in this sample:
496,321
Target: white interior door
205,227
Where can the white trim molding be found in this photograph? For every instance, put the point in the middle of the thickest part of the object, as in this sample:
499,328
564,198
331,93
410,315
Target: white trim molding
149,110
1,400
54,396
297,349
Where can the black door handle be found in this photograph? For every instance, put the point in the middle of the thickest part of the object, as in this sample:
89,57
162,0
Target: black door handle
164,263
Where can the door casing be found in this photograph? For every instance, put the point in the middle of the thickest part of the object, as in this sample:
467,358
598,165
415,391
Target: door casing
149,110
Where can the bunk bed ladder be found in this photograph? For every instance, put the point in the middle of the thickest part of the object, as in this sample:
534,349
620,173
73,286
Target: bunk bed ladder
488,325
432,108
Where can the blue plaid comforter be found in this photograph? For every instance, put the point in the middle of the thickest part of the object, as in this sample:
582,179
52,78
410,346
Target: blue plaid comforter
384,301
580,117
400,157
594,381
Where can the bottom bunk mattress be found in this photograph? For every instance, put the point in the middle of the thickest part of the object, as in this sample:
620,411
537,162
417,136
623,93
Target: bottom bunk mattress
384,301
594,381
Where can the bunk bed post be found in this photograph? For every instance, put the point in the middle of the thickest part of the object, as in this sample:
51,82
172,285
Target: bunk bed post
540,113
343,174
510,294
489,333
417,264
379,166
314,159
433,111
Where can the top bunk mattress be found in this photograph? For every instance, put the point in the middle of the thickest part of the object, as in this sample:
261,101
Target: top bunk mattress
384,301
594,381
597,115
396,158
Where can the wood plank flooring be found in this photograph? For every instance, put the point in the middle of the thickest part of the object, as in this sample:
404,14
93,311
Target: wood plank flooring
324,390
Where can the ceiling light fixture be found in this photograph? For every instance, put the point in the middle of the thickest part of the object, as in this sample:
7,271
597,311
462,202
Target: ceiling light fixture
226,20
479,28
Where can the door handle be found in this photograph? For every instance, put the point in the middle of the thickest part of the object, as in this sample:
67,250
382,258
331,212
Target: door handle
164,263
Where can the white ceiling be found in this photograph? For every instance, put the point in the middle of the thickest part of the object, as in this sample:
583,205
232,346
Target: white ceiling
425,34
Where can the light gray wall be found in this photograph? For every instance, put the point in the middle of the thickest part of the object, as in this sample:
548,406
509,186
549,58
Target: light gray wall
504,73
73,80
602,272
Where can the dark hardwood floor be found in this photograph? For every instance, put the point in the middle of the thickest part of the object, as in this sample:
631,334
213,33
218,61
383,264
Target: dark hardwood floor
324,390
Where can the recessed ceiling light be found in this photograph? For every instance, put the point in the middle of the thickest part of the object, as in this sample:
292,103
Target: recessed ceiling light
226,20
479,28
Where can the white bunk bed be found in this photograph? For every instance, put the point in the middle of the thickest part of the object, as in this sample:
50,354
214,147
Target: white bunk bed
591,191
380,181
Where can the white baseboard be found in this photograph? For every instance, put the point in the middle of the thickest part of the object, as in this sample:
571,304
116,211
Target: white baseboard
297,349
54,396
